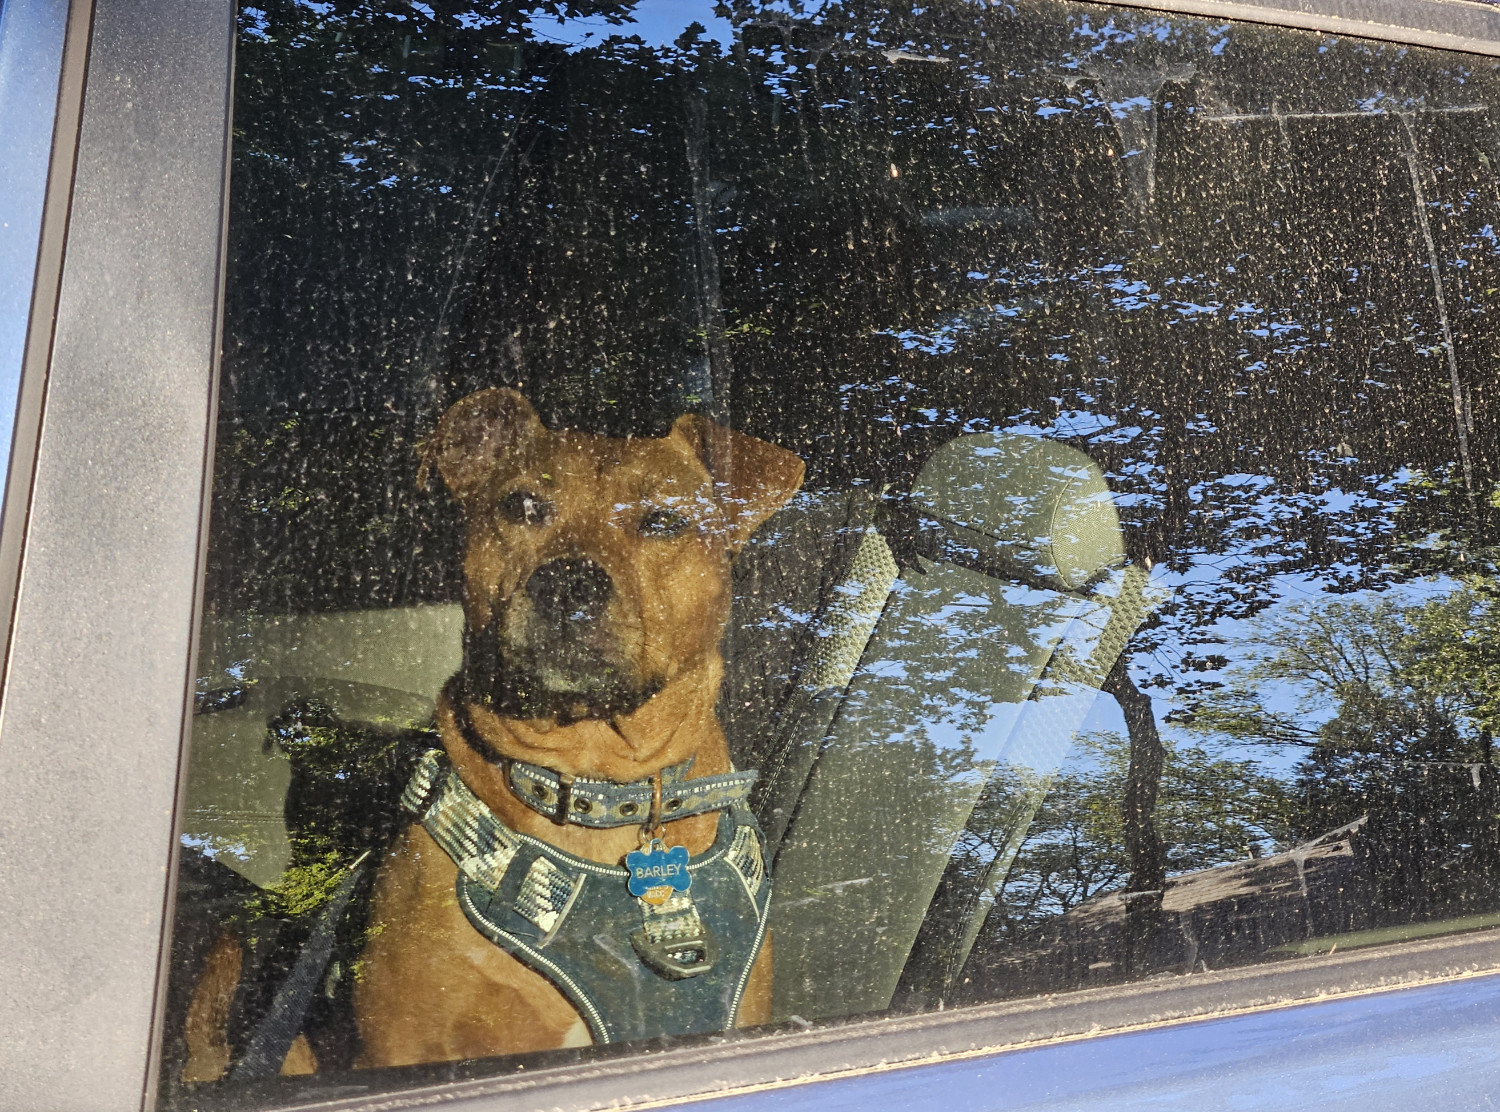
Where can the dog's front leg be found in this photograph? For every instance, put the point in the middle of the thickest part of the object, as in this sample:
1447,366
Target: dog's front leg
430,988
206,1028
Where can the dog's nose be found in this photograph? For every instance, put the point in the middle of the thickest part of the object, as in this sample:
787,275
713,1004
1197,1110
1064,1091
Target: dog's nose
569,590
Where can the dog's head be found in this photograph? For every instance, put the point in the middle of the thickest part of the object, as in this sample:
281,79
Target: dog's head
596,569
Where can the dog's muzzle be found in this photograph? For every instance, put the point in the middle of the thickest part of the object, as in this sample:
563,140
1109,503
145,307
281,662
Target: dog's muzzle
569,595
553,653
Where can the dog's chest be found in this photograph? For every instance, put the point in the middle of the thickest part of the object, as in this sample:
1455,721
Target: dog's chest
634,964
582,929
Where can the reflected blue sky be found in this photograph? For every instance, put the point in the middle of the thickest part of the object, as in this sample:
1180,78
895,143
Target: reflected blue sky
657,22
31,37
1236,642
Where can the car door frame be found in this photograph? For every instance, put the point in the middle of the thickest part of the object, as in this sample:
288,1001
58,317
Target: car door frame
101,559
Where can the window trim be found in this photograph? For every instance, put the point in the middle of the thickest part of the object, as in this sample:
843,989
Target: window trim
110,495
736,1065
101,639
37,25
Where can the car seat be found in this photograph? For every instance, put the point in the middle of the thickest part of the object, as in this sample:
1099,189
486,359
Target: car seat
963,649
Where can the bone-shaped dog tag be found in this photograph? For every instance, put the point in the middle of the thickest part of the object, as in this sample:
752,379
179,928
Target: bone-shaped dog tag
656,872
673,940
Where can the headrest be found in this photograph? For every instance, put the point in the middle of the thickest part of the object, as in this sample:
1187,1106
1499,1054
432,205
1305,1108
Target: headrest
1032,505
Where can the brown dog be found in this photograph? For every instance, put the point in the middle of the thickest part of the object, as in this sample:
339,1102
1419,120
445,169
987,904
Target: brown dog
596,592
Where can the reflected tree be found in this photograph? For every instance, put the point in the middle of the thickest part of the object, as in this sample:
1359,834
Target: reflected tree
860,231
1213,809
1375,688
1395,704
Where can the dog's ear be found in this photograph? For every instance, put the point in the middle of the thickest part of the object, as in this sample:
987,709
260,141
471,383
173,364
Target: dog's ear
474,435
752,479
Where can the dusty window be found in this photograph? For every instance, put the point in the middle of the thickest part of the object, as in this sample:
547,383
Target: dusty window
820,512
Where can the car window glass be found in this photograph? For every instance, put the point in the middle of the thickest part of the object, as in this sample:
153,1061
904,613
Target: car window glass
746,516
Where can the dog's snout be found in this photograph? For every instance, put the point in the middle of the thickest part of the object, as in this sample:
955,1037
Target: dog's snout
569,590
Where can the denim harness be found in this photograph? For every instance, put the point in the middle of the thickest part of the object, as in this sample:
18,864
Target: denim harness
633,969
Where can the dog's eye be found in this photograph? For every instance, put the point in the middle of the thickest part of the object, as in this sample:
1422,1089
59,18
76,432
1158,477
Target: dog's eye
662,523
525,508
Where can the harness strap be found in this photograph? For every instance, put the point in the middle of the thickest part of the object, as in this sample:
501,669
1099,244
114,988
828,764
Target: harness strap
575,921
469,832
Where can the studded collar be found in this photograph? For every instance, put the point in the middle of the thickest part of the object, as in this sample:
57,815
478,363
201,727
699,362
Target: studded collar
600,804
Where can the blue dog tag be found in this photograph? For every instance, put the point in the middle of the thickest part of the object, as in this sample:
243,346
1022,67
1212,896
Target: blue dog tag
656,871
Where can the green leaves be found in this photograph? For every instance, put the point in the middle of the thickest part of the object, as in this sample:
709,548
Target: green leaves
1370,688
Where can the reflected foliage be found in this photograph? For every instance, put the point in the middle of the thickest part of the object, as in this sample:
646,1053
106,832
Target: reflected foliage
1248,272
1212,809
922,246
